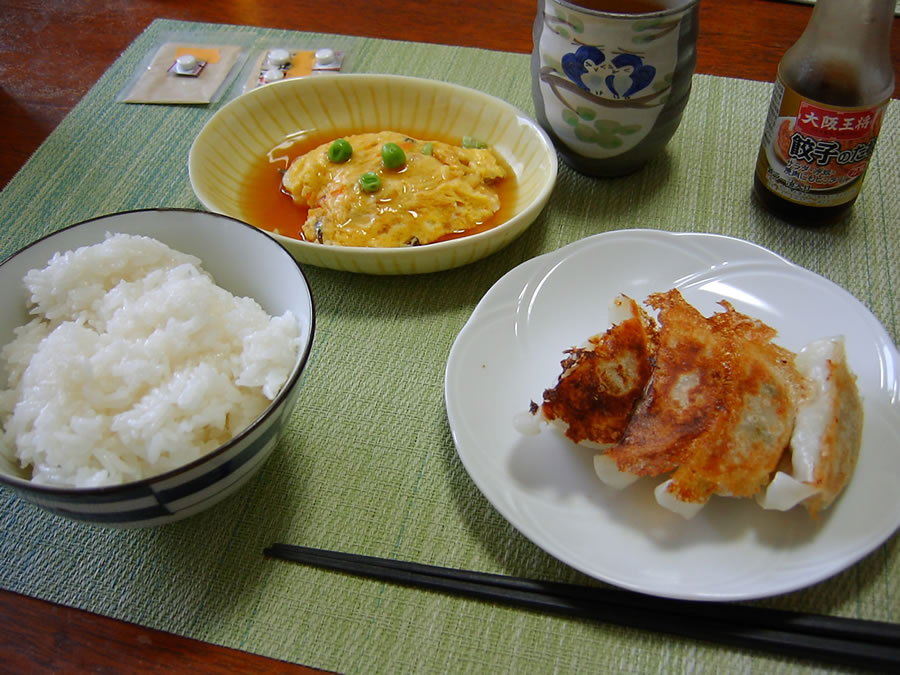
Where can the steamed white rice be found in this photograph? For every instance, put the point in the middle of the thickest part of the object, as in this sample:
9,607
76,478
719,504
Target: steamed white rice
136,363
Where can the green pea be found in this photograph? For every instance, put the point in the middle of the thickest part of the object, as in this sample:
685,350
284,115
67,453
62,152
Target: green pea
340,150
426,149
392,155
472,142
369,182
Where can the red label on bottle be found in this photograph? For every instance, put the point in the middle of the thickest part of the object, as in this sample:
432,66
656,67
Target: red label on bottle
819,122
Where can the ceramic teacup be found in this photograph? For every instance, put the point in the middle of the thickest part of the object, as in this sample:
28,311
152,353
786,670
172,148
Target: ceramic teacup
609,87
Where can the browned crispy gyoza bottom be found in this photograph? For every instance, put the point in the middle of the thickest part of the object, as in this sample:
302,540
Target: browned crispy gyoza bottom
710,400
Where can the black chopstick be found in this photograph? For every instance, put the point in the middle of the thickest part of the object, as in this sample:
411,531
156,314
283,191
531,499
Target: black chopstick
856,642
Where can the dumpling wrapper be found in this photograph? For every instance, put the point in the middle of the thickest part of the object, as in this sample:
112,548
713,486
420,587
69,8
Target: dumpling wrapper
785,492
683,398
827,434
812,421
602,380
738,453
609,473
668,500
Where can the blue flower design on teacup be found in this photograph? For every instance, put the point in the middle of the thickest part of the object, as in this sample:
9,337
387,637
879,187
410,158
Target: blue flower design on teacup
622,76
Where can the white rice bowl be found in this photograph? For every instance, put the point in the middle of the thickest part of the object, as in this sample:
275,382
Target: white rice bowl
136,363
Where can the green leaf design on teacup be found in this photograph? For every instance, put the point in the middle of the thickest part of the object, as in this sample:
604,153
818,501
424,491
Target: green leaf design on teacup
587,114
664,83
606,126
608,141
615,127
587,134
562,23
555,64
642,39
603,132
640,26
575,21
652,29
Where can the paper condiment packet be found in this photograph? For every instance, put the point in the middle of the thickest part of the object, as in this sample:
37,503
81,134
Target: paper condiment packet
160,78
283,62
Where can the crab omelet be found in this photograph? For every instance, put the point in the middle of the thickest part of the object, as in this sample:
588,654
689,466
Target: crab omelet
438,190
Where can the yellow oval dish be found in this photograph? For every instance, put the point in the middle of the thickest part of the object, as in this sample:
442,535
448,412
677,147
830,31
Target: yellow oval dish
224,153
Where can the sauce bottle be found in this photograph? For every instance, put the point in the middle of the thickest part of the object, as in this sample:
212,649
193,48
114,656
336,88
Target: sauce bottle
831,92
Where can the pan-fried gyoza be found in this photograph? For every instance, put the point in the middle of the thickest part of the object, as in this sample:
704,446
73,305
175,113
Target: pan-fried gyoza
603,380
713,404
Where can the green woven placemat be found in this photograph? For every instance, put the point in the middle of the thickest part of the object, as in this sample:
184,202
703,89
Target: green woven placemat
368,464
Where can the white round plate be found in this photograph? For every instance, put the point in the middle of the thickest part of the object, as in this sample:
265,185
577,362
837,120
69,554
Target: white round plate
510,351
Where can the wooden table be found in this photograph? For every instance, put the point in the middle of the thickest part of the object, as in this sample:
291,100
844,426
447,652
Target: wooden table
52,52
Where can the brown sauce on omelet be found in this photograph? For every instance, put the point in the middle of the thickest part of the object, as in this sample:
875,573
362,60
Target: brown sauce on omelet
268,206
